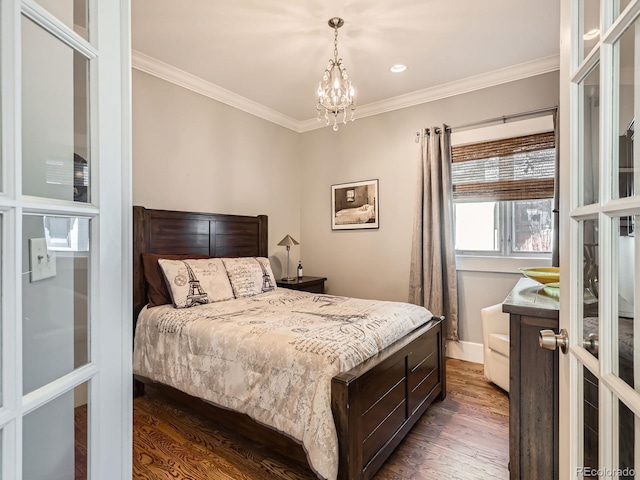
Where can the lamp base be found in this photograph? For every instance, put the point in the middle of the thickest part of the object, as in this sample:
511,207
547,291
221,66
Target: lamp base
288,279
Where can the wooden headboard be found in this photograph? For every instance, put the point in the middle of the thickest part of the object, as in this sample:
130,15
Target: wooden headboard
173,232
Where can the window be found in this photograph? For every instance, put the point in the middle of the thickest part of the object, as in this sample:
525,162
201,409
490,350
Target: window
503,195
66,233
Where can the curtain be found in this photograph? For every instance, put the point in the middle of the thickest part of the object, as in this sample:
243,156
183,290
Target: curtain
433,279
555,249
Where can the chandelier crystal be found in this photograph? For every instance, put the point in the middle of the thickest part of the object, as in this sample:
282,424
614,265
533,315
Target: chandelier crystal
335,92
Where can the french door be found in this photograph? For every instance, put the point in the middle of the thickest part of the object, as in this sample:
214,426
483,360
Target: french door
65,240
600,245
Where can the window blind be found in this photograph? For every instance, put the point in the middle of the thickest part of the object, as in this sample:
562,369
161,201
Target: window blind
517,168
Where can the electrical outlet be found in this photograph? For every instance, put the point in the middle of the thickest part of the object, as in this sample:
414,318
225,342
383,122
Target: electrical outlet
42,261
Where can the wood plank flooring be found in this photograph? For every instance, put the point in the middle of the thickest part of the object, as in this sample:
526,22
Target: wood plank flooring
81,432
464,437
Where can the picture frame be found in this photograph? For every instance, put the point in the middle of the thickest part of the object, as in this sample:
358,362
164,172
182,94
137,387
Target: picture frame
354,205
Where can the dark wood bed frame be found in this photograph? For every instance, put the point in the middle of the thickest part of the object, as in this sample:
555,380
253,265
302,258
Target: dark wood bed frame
374,404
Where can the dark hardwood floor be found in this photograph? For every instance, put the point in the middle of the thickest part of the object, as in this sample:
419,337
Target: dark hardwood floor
464,437
81,432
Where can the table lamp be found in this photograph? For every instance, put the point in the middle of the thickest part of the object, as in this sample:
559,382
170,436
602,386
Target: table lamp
288,241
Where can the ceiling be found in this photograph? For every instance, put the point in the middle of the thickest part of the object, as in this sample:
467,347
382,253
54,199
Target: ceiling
273,52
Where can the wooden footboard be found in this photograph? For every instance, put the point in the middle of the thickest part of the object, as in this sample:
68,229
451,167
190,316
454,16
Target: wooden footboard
376,403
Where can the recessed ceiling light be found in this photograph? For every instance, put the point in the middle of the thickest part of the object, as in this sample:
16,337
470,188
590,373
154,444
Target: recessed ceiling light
591,34
398,68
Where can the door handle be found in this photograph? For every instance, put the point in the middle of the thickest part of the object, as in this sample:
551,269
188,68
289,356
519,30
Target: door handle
551,340
590,343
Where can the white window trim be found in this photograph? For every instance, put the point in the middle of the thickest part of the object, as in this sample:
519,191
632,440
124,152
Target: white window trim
499,264
517,128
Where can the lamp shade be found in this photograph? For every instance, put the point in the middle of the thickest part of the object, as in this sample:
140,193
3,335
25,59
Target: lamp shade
288,241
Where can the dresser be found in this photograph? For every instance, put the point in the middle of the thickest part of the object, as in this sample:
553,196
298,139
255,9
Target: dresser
533,383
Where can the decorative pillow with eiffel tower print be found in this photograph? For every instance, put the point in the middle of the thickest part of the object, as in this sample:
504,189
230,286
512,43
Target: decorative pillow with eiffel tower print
196,282
250,275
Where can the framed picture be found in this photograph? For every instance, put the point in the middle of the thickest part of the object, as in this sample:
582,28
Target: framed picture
354,205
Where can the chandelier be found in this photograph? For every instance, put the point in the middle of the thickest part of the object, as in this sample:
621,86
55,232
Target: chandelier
335,92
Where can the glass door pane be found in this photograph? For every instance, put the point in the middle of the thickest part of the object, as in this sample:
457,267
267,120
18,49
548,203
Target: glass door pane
1,332
625,51
590,16
590,281
623,4
627,440
590,422
591,136
625,236
55,131
73,13
55,438
55,285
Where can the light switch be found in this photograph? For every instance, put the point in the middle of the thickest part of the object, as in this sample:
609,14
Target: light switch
42,261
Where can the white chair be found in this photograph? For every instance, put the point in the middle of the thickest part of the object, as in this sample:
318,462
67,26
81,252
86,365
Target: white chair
495,335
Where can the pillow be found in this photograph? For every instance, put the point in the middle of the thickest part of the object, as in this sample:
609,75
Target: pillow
250,275
157,292
196,282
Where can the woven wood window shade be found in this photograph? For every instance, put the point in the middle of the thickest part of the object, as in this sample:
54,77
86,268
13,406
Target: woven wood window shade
517,168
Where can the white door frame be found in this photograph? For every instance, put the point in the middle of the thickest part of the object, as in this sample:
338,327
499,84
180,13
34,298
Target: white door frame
109,369
571,365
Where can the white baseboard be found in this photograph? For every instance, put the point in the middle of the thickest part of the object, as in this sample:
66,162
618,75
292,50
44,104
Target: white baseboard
467,351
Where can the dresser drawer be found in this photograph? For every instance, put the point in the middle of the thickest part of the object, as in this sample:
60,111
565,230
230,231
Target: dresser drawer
422,370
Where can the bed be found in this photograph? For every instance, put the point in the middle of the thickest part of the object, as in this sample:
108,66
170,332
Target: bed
361,214
374,403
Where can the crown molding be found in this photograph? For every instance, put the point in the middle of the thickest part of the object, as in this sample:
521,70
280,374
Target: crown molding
174,75
470,84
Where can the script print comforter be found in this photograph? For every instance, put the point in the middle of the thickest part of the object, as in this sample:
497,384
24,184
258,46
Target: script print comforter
271,356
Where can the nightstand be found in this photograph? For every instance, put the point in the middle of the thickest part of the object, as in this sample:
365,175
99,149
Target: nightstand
308,284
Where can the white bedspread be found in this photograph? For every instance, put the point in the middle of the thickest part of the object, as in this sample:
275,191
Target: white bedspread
355,215
271,356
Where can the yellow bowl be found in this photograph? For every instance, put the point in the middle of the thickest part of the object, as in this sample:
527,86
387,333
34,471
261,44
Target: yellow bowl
542,274
552,289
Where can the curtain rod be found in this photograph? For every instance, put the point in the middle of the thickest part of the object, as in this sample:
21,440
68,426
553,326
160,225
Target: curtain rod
506,118
503,119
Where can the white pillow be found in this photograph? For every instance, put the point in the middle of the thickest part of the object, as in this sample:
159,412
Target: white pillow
250,275
195,282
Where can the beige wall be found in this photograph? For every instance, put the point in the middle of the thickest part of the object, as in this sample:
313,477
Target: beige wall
195,154
375,263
